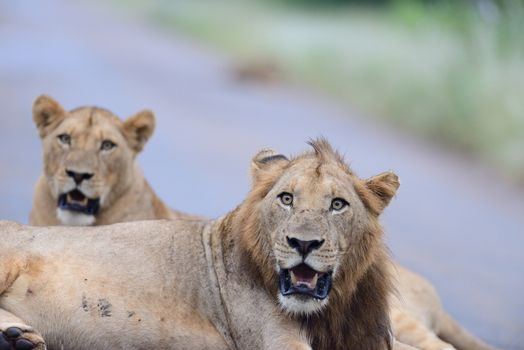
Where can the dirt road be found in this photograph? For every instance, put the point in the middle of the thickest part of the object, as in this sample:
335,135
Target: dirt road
452,220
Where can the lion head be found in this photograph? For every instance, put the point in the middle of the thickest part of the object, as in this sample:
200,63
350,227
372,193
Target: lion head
310,226
88,156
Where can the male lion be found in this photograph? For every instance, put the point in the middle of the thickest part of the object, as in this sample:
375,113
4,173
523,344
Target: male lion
300,264
90,174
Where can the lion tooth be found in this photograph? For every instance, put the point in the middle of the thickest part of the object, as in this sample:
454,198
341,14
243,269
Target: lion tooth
314,281
293,278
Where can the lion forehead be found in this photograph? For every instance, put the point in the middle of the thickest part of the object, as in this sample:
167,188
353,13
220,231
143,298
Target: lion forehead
90,123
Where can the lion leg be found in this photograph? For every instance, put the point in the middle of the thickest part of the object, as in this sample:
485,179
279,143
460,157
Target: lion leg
454,333
16,335
408,330
279,335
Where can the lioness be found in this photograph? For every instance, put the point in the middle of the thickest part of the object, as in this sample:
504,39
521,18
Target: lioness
300,264
90,174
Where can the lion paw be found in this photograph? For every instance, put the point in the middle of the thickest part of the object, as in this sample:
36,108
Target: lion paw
20,337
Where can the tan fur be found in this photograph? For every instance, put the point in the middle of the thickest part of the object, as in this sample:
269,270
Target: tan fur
210,285
117,180
419,319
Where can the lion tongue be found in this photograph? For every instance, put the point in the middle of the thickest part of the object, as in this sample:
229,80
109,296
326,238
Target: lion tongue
304,275
78,197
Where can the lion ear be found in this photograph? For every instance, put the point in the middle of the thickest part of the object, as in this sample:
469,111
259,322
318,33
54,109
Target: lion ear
139,128
383,187
47,114
266,161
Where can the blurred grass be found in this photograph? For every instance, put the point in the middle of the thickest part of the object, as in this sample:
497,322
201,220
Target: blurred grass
450,70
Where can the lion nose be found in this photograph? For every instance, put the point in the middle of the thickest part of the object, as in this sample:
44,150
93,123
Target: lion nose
78,177
304,247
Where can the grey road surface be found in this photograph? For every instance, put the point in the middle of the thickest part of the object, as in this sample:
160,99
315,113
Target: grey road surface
453,220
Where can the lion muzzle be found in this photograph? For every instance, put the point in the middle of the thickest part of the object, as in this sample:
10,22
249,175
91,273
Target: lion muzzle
78,202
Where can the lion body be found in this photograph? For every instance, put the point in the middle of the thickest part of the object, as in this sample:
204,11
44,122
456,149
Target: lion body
123,286
418,318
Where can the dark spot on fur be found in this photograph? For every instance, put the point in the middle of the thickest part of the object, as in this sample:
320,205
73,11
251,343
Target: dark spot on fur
29,291
85,303
172,250
131,313
104,308
230,244
90,120
162,319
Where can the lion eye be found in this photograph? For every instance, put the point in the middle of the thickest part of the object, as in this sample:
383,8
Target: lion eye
286,198
107,145
338,204
65,139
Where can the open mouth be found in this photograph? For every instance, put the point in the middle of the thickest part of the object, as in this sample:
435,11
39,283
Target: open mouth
304,280
78,202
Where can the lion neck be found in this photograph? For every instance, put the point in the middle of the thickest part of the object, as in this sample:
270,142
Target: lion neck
136,200
357,313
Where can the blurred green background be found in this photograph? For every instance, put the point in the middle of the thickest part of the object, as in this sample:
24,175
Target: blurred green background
449,70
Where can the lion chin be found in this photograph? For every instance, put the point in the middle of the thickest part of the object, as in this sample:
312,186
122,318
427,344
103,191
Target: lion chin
301,305
70,218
